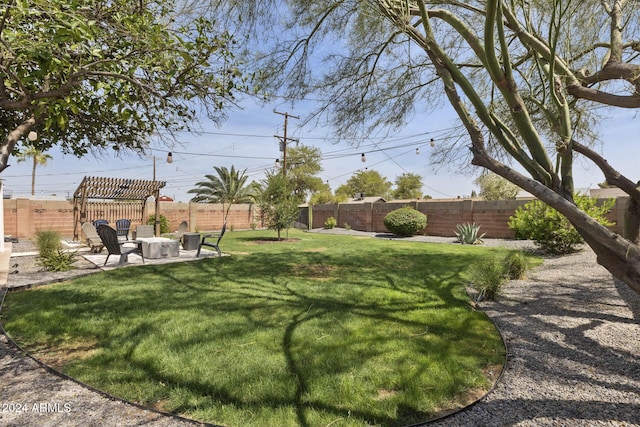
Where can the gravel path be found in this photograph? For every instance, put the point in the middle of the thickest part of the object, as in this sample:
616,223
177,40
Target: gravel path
573,342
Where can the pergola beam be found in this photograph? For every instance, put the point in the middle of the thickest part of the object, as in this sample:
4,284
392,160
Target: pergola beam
100,188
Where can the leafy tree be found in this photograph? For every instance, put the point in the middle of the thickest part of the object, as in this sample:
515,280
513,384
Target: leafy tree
525,79
278,204
303,165
39,159
369,182
97,75
408,186
494,187
325,196
228,187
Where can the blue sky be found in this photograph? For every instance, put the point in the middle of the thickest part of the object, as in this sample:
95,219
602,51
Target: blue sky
246,140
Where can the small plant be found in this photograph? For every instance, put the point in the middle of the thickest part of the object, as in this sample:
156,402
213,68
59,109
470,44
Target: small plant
330,223
58,261
254,225
52,257
164,223
347,226
468,234
516,265
405,221
488,277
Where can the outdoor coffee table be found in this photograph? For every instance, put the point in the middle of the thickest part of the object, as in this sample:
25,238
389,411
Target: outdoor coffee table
159,247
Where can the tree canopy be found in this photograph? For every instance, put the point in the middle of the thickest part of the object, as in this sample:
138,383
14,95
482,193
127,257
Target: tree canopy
367,182
494,187
303,165
98,75
408,186
229,187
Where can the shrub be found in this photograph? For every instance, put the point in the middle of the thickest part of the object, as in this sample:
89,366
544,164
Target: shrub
58,261
488,278
468,234
516,265
405,221
52,258
549,229
48,242
164,223
330,223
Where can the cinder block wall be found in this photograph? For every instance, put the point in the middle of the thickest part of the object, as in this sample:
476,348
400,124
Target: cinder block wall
442,216
24,217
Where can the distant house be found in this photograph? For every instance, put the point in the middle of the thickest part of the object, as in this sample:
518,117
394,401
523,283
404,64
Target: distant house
370,199
607,193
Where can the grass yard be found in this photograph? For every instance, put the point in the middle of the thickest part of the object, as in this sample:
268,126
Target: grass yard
316,331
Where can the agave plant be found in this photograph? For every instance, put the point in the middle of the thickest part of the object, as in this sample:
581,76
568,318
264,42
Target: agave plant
467,234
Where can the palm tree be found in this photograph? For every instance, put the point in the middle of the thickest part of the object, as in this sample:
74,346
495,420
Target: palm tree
228,187
39,159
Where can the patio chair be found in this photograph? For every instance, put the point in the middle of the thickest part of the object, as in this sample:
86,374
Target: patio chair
122,228
92,238
182,228
98,222
110,239
215,245
143,231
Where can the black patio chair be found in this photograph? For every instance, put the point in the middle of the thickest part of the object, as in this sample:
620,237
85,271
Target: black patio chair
215,245
98,222
110,239
122,228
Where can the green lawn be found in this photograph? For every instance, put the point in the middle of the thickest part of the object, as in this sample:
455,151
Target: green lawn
321,330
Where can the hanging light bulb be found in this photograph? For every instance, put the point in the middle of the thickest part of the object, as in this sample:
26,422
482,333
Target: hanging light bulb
277,163
432,143
363,158
417,151
33,135
169,157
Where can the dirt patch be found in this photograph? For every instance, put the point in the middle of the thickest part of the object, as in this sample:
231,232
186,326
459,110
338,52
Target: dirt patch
384,393
314,271
58,356
274,240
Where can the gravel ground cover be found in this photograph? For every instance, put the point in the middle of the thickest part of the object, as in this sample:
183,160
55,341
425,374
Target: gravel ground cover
572,335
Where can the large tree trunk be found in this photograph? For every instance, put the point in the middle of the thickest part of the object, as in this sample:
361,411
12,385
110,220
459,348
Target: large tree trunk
618,255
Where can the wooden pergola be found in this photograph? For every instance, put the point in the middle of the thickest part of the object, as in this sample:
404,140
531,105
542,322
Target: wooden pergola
113,199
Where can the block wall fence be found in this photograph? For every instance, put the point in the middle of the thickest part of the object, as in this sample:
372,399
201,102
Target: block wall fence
442,216
24,217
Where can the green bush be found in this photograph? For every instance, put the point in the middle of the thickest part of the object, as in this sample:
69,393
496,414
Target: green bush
549,229
405,221
164,223
52,258
469,234
58,261
48,242
330,223
488,277
516,265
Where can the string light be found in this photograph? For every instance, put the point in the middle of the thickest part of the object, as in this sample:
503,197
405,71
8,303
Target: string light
432,143
417,151
363,158
169,157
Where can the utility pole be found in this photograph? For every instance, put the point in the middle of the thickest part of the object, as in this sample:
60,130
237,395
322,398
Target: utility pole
284,139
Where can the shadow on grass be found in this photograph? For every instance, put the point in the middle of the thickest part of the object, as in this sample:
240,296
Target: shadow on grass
398,303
